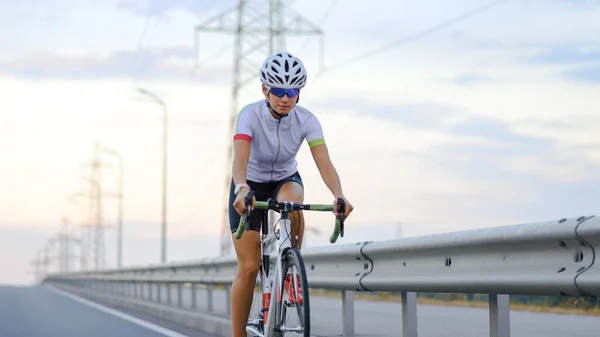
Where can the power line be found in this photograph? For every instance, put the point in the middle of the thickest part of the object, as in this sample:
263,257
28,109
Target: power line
137,65
414,37
327,13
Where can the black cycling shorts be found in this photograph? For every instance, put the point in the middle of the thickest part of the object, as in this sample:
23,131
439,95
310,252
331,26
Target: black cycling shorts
262,192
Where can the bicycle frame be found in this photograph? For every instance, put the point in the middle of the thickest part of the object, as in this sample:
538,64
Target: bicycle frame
271,279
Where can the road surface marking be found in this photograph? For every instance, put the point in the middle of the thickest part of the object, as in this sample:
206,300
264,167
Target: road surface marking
135,320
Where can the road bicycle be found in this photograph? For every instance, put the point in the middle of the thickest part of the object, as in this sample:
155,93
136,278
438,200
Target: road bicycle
287,273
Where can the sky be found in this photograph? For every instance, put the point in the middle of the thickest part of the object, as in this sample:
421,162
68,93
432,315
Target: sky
439,116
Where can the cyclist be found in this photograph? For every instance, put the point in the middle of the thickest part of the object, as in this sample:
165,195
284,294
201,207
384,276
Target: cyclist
267,138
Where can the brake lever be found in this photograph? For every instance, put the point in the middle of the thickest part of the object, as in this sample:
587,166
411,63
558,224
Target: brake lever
248,201
341,212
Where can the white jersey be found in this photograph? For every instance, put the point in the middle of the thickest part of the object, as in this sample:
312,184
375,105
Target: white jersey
274,143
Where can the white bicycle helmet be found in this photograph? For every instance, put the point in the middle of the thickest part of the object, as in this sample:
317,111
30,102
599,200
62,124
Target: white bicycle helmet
283,70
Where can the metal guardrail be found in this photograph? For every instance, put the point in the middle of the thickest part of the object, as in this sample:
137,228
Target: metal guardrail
551,258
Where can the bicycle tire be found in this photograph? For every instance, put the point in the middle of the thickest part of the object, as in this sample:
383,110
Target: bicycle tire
293,258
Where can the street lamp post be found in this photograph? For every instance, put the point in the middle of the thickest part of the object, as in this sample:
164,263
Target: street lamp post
164,177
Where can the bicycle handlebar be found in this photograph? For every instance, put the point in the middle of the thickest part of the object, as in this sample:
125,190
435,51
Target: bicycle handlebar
289,207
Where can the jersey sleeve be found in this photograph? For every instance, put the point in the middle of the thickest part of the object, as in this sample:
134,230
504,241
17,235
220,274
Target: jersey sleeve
314,132
244,125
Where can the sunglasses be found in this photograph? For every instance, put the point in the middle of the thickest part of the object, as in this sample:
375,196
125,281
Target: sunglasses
279,92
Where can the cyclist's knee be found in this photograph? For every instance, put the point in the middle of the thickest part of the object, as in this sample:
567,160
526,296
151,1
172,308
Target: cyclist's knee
291,191
248,269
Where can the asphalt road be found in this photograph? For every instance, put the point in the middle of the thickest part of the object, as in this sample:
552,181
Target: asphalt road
44,312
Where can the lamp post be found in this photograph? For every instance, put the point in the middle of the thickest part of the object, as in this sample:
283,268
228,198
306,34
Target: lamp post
164,177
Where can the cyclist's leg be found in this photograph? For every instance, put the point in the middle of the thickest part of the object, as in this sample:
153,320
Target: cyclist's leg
247,249
292,189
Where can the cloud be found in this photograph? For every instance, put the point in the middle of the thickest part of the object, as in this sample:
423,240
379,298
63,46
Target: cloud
573,123
159,7
580,4
483,147
471,78
568,53
577,61
415,115
156,63
507,152
584,74
516,157
484,127
454,120
545,179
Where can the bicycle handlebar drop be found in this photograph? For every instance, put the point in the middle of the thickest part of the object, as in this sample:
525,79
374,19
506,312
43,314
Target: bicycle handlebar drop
287,207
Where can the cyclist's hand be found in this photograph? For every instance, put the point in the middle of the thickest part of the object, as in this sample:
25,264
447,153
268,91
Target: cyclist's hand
349,207
239,203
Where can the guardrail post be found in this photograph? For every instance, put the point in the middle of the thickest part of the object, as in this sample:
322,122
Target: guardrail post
150,287
409,314
228,300
499,315
194,303
179,294
209,293
347,313
159,287
169,300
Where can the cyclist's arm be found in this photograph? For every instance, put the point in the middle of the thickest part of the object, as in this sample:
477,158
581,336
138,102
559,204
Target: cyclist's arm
242,137
320,154
328,172
241,153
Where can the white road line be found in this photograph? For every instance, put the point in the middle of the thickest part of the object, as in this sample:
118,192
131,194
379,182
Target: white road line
135,320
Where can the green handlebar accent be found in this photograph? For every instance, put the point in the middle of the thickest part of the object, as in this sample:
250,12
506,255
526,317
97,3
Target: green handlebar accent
261,204
336,231
318,207
241,227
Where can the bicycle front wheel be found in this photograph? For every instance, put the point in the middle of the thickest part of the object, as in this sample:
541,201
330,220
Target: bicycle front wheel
292,314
